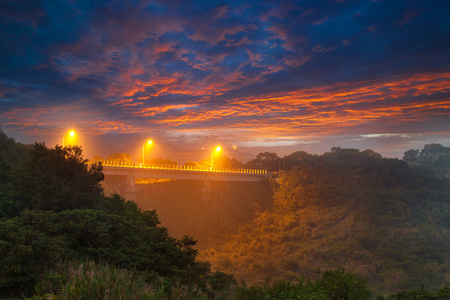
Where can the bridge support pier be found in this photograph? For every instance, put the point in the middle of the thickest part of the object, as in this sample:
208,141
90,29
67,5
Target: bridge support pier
131,194
206,193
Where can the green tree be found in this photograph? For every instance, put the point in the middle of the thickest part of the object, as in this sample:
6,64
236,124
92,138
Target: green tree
265,160
56,179
296,159
340,285
411,155
26,249
432,149
116,233
7,206
13,153
333,285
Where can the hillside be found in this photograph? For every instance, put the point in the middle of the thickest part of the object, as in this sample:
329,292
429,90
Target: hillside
380,218
62,238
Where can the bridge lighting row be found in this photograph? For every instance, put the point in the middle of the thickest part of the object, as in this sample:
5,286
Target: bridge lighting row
70,138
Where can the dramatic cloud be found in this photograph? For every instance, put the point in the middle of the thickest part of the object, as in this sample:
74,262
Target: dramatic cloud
295,74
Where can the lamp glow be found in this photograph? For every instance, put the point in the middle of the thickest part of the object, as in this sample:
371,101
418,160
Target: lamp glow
149,143
71,137
217,150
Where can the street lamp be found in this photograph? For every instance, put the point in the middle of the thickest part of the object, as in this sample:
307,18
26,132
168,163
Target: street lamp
71,135
216,150
149,143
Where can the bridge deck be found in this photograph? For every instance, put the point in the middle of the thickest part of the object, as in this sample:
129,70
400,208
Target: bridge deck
182,168
182,172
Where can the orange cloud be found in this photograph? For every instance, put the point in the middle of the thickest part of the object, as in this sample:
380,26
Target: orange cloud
327,109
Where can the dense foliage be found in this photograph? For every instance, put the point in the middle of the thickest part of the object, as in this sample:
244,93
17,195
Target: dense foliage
54,210
377,217
433,157
388,222
331,285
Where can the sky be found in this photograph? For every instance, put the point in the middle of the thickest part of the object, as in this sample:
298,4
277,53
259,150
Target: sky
253,76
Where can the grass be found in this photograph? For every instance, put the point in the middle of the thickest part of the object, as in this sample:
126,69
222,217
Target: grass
90,280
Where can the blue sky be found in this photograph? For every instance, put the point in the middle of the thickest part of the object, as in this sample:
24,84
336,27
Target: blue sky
275,76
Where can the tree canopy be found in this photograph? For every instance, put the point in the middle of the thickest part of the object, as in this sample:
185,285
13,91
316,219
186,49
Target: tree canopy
378,217
53,209
265,160
120,157
56,179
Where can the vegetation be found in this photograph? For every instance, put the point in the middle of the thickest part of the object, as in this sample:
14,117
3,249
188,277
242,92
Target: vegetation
125,158
332,285
54,212
433,157
122,158
267,161
384,221
379,218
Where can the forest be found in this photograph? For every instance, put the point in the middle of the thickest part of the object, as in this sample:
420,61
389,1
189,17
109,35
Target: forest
342,225
386,220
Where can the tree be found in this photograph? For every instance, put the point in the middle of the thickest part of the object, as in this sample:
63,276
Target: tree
433,156
432,149
265,160
118,234
194,164
97,159
5,170
7,207
372,153
295,159
57,179
411,155
120,158
226,162
13,153
64,216
26,249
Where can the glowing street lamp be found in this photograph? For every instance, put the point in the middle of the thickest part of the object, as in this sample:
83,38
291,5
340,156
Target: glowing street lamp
71,135
149,143
215,150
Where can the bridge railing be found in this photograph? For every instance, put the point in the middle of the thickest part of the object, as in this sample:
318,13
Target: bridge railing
181,168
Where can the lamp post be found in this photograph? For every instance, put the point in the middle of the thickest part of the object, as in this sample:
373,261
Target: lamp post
149,142
214,150
71,134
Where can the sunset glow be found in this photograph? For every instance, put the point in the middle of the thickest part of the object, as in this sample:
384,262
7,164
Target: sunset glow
263,76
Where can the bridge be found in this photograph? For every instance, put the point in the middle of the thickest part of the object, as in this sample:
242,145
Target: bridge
130,171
